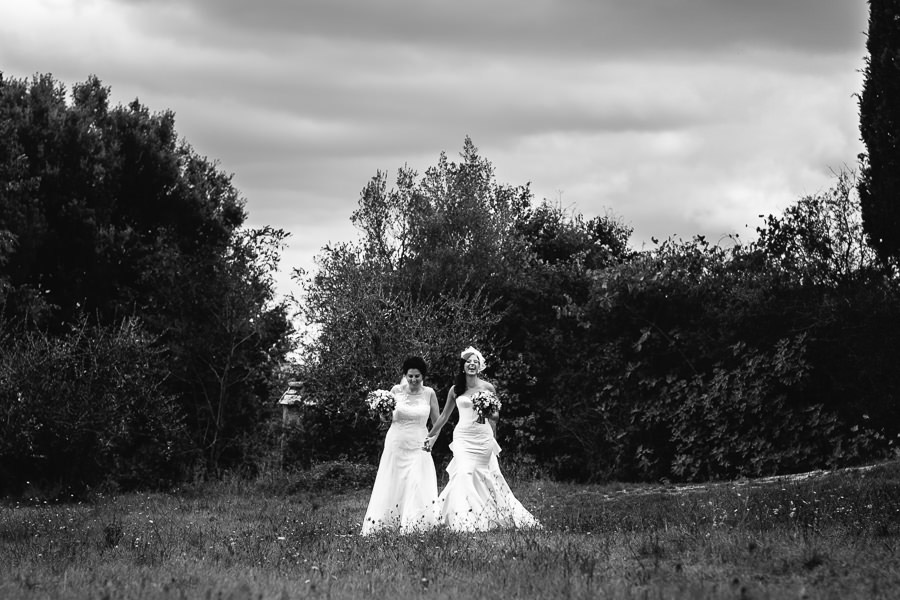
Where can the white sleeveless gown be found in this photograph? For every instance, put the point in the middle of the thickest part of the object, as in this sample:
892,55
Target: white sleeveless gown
404,497
477,497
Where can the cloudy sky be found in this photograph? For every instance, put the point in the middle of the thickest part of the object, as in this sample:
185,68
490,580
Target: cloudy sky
679,117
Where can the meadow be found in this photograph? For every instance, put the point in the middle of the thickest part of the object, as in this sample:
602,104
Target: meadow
295,535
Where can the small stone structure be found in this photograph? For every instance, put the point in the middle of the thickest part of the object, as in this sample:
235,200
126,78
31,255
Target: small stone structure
291,401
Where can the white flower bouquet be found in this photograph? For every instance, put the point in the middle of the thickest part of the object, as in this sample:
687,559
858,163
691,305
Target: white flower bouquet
381,402
486,403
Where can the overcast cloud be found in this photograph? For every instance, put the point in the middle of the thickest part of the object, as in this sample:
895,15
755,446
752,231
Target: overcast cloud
680,117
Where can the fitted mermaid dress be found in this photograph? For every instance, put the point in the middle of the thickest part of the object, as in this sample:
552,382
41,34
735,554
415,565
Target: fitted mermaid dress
477,497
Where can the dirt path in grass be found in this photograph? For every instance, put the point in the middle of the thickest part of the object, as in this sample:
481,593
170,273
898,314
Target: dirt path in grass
675,489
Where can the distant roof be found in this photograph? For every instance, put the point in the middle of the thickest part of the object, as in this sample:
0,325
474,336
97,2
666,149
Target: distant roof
293,395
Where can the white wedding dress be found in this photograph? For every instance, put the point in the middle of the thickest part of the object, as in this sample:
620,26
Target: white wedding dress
477,497
404,497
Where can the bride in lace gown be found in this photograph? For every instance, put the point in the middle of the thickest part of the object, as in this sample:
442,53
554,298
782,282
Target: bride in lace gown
404,497
477,497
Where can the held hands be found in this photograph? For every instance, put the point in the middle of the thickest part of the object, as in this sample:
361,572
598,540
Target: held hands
428,444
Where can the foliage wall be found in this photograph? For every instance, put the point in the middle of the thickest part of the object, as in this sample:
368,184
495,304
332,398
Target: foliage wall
106,217
746,360
687,361
84,408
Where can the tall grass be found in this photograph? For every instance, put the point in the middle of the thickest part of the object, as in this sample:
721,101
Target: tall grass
832,535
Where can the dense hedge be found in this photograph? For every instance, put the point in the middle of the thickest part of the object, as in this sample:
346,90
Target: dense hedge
697,360
84,409
689,360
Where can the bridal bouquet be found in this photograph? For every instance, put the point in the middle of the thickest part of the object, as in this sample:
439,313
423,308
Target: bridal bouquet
486,404
381,402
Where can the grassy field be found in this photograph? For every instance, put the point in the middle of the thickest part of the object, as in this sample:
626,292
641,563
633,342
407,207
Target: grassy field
825,535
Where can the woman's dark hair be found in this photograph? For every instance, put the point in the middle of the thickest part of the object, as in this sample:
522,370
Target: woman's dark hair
459,382
415,362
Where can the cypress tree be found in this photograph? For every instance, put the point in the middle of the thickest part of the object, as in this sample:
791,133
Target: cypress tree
879,124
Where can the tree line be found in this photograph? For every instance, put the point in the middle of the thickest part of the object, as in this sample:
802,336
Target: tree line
138,326
140,331
686,361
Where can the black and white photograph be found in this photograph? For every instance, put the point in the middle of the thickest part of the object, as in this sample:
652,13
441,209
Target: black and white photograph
415,299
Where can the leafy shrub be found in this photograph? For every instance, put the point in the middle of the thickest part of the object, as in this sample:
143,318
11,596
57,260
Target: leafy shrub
745,421
695,361
327,476
85,408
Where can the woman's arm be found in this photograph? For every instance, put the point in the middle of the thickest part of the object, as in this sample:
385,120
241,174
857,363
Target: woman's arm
494,418
435,409
442,419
